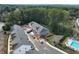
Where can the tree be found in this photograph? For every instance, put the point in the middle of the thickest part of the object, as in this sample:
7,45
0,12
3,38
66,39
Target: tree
6,28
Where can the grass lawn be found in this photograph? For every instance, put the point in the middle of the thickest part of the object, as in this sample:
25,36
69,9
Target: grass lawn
50,39
54,39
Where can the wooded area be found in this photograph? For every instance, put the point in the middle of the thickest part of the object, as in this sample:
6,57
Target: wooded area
57,20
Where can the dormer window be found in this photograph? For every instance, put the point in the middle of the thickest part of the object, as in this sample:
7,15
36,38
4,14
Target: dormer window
31,23
19,50
13,46
37,28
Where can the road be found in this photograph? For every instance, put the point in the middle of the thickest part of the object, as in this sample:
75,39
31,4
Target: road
42,48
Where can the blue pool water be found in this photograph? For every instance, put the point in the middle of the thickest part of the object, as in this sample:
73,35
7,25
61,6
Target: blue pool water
75,44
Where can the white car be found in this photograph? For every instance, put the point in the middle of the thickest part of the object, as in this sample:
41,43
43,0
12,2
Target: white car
42,41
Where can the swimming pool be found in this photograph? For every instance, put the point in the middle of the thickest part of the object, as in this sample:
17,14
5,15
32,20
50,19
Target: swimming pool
73,44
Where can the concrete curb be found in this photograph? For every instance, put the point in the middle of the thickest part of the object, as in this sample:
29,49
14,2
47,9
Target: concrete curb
9,44
56,48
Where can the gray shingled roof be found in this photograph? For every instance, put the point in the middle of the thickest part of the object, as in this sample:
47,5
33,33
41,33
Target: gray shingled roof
38,28
19,37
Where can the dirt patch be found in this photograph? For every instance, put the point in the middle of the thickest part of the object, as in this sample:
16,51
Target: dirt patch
3,43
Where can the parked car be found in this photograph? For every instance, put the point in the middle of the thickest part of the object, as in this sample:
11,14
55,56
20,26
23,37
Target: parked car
42,41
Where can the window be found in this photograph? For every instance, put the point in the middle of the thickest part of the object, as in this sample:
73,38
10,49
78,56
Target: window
25,48
19,50
37,28
31,23
13,46
13,36
29,31
27,52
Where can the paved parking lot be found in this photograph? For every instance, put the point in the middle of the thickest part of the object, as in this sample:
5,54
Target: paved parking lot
42,48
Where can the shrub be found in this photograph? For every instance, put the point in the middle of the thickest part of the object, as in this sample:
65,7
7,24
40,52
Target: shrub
6,28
